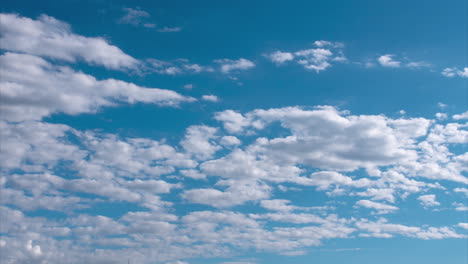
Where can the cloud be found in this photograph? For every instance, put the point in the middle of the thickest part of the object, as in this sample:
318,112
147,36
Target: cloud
380,207
280,57
319,58
462,116
388,61
169,29
228,65
33,88
49,37
383,229
453,72
428,200
210,98
133,16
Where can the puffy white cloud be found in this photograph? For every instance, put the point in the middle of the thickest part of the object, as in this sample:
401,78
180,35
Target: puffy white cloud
32,88
428,200
210,98
52,38
383,229
380,207
198,140
318,59
280,57
388,61
453,72
461,116
228,65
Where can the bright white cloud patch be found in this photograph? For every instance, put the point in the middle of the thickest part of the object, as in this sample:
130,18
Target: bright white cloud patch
228,65
33,88
388,61
455,72
428,200
319,58
52,38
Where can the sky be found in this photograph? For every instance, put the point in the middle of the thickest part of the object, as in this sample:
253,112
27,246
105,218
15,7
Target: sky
233,132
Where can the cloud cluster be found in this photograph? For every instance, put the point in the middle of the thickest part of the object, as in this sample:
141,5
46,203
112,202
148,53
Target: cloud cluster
317,59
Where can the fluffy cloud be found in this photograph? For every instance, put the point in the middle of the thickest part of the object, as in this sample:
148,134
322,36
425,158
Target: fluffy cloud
52,38
228,65
380,207
210,98
34,88
280,57
317,59
428,200
388,61
453,72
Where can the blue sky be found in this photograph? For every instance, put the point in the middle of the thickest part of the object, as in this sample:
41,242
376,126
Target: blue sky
183,132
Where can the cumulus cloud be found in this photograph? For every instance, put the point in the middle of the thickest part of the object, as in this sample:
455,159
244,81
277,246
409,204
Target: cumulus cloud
428,200
380,207
280,57
228,65
318,58
210,98
33,88
52,38
455,72
388,61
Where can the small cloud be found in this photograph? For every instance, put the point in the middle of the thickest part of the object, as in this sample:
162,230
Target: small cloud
461,116
428,200
388,61
402,112
441,116
241,64
280,57
133,16
418,64
169,29
454,72
210,98
188,86
441,105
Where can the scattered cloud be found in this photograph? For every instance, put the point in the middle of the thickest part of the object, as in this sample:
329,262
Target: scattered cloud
388,61
210,98
51,38
428,200
455,72
227,65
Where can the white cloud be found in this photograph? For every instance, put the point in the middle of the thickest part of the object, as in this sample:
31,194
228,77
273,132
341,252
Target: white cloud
428,200
388,61
52,38
188,86
462,116
441,116
33,88
198,140
133,16
318,59
280,57
380,207
383,229
228,65
210,98
453,72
